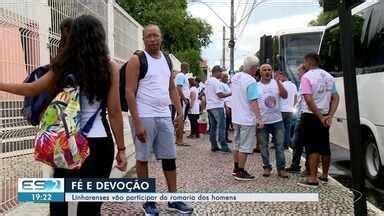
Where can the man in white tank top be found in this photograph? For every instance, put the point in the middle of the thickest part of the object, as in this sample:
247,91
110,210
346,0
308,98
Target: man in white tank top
148,101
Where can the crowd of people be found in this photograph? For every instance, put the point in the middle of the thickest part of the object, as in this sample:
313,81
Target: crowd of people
257,104
267,111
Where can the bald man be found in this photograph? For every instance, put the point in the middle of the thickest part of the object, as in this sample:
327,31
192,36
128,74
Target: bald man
148,101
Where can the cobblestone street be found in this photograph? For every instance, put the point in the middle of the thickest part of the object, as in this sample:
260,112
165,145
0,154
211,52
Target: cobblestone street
200,170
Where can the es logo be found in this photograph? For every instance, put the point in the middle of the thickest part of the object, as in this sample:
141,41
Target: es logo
41,185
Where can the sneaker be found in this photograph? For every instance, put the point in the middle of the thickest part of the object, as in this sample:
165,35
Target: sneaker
282,174
308,184
267,172
215,149
243,175
293,169
180,207
227,150
182,144
150,209
305,173
235,171
323,180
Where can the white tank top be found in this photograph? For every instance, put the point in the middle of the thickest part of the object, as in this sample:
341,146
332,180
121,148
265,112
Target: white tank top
152,96
87,110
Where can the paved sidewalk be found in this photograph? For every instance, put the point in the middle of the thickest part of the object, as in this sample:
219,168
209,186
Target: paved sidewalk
200,170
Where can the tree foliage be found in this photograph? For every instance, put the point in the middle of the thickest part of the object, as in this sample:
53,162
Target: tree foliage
183,35
324,18
192,56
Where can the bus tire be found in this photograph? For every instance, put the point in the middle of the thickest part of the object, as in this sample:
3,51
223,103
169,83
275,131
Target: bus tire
374,170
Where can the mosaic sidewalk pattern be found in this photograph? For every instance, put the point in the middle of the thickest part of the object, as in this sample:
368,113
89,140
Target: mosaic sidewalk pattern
200,170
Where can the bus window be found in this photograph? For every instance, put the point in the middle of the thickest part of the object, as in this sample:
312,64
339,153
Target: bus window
294,47
375,40
330,51
330,47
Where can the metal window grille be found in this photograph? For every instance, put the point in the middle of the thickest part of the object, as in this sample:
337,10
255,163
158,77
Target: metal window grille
30,33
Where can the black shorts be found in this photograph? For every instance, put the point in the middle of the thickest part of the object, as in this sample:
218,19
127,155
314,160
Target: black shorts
315,136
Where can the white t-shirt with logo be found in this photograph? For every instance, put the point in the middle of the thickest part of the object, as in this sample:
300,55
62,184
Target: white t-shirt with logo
182,80
321,85
213,87
244,90
195,108
287,105
269,102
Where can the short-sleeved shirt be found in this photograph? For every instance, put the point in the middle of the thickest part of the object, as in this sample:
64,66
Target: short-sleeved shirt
244,90
195,108
182,80
227,89
321,85
287,105
213,87
270,102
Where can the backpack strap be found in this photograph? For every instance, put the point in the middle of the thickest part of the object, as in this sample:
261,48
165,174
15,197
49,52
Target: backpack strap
87,127
143,63
169,61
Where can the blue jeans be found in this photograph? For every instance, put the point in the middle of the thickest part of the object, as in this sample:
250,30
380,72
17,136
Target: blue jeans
217,122
277,132
287,120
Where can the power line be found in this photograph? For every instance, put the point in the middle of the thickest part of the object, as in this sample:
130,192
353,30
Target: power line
246,22
250,12
244,10
217,15
237,10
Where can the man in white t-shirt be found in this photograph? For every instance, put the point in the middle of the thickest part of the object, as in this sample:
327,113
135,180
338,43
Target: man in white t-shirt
246,115
287,107
269,102
321,100
215,106
183,90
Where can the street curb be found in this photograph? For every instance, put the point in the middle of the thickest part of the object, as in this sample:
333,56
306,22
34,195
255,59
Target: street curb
370,206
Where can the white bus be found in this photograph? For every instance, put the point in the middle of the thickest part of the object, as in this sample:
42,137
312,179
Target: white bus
292,45
368,37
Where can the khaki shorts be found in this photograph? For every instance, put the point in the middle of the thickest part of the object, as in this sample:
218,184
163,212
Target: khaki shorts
245,138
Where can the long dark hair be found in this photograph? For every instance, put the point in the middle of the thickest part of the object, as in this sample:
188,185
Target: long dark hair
85,55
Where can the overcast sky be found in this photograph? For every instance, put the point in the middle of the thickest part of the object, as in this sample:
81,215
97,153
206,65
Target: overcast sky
267,18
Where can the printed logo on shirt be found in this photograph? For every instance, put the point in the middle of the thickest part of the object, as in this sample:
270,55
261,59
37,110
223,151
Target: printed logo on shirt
270,102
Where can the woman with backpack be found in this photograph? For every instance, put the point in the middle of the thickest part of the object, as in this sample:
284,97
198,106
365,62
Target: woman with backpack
85,57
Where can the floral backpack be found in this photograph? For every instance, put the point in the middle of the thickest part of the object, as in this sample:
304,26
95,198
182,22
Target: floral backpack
61,143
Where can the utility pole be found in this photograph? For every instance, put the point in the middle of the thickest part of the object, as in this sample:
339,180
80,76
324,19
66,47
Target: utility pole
231,43
224,47
352,108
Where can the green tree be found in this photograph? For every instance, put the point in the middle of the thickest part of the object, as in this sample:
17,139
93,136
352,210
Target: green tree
324,18
192,56
183,35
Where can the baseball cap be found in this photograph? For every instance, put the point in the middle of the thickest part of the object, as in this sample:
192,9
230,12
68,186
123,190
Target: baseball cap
217,68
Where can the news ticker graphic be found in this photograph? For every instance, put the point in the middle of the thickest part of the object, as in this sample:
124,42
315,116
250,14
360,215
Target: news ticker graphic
192,197
133,190
54,189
